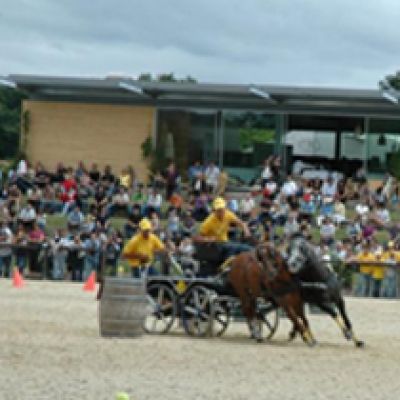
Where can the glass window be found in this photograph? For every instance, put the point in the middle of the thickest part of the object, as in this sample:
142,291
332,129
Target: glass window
383,146
248,138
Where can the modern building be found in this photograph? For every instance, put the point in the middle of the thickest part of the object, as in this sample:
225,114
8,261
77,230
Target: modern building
107,121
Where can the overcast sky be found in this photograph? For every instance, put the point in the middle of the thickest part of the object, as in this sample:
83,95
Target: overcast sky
346,43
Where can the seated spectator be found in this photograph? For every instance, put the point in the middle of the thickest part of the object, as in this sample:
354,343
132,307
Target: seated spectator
75,219
153,203
176,201
327,231
381,216
138,195
6,241
186,252
120,202
362,209
173,226
339,211
49,201
155,224
329,187
232,204
27,216
132,223
289,187
94,173
201,207
80,171
246,207
291,226
108,176
188,225
307,207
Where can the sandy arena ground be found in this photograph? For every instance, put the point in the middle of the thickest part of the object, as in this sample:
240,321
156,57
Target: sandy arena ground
50,349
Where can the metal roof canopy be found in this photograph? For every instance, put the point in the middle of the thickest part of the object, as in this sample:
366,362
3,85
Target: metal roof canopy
279,99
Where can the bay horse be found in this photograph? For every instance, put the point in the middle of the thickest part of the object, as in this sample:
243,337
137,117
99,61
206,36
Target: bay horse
263,273
319,284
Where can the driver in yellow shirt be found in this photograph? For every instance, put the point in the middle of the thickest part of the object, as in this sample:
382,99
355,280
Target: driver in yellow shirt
140,250
215,228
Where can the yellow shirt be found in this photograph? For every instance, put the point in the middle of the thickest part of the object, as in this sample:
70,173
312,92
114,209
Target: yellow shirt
378,271
366,268
139,244
217,228
125,180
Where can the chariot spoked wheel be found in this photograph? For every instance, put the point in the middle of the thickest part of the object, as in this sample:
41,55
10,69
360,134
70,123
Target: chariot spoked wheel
163,309
221,316
268,314
197,311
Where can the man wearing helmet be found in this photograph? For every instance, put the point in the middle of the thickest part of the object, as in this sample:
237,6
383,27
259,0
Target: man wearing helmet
216,227
140,250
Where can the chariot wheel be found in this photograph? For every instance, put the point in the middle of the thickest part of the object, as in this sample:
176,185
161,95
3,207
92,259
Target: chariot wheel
197,311
221,316
268,314
163,309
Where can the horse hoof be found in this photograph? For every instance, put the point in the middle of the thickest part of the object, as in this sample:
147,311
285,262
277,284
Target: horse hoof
360,344
347,334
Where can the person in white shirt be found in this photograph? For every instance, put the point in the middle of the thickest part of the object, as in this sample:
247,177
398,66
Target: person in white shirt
289,188
381,216
212,174
27,214
22,167
246,206
327,231
329,187
154,202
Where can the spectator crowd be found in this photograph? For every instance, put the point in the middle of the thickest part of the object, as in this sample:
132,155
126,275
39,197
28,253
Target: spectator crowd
344,218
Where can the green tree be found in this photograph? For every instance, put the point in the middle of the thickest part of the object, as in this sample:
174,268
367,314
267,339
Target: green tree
10,119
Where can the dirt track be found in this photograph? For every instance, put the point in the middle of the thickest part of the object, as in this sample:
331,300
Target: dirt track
50,349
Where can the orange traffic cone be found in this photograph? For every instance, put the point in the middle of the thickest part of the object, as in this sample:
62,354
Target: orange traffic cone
18,280
90,284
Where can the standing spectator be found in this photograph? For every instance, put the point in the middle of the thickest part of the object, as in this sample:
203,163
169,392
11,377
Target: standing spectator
59,247
377,273
173,226
92,247
36,238
194,173
365,258
21,251
223,179
266,173
171,177
112,250
6,240
291,225
389,283
211,174
76,258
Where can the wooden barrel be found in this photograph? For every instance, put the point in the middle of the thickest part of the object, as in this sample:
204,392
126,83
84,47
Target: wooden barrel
123,307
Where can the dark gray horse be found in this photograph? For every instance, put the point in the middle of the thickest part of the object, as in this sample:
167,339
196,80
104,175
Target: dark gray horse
319,284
